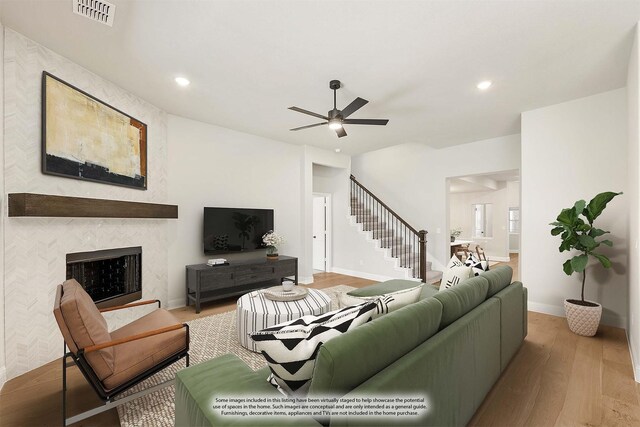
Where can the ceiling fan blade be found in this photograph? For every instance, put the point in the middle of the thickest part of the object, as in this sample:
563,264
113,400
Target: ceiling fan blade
380,122
341,132
309,126
311,113
355,105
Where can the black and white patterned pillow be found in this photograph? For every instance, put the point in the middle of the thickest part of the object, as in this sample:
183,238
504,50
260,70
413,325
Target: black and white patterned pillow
477,267
454,262
290,348
454,276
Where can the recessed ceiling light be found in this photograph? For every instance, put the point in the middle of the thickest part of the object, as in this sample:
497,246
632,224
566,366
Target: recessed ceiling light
337,150
182,81
484,85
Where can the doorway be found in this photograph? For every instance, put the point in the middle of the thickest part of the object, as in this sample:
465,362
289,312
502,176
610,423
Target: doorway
484,211
321,236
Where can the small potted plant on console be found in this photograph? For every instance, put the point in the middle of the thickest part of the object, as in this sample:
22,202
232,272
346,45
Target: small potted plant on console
272,240
576,230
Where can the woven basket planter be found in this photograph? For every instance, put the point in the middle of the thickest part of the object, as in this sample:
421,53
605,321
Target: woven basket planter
583,320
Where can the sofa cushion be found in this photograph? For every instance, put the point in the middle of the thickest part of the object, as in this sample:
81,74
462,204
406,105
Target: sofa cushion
87,326
350,359
225,376
135,357
453,370
512,320
498,278
384,288
291,348
391,301
461,299
428,291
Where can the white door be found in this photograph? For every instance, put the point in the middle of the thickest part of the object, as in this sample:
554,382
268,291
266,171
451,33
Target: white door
319,233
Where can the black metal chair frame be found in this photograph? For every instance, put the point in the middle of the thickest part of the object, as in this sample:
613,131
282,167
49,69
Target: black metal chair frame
108,397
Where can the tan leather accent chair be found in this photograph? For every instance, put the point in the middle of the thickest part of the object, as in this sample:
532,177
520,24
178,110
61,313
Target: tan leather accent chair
115,361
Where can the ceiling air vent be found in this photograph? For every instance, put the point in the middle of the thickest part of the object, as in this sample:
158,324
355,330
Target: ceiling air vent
96,10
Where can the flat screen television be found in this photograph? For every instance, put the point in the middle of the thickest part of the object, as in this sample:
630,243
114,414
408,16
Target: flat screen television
235,229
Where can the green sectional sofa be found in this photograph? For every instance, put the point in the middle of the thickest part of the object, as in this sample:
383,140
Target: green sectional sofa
450,346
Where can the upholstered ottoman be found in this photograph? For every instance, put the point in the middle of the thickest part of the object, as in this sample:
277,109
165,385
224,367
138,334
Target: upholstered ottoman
255,312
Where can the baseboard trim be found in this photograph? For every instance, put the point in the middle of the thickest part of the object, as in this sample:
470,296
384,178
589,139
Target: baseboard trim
636,369
176,303
307,280
555,310
3,377
363,275
499,258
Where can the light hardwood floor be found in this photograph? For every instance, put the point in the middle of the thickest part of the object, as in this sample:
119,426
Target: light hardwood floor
514,263
556,379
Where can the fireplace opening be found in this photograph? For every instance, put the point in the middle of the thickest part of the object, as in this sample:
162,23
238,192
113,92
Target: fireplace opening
111,277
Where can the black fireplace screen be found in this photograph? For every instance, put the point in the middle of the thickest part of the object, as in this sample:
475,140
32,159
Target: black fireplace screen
111,277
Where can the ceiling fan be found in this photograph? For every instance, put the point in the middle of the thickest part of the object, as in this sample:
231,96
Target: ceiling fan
337,118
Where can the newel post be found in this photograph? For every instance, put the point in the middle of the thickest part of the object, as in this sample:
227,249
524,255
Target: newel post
422,240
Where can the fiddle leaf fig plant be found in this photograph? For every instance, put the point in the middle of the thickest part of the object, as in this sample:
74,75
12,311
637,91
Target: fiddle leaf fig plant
576,230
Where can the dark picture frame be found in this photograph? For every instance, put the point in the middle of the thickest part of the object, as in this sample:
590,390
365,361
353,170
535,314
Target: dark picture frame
86,138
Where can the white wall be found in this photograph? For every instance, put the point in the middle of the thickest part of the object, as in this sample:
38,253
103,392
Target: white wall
513,201
214,166
332,181
3,369
317,156
327,179
35,248
633,105
411,179
353,252
461,216
573,151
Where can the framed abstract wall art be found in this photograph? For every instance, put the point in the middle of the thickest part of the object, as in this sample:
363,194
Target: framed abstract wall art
85,138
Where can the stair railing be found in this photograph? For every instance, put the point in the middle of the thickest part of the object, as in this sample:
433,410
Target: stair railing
391,229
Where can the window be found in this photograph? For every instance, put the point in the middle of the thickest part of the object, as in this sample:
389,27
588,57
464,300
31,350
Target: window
514,220
482,220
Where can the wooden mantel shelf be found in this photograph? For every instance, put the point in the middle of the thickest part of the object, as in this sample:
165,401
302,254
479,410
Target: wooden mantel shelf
44,205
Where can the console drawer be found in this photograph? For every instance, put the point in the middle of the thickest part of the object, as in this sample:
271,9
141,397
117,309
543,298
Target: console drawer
286,268
254,274
216,279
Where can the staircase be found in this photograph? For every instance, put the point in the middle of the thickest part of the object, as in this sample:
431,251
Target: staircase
402,241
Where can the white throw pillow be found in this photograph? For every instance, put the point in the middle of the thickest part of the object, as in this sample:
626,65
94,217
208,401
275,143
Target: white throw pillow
455,262
454,275
290,348
390,301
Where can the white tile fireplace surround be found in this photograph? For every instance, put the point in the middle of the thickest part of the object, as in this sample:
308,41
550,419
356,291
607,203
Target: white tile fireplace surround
35,248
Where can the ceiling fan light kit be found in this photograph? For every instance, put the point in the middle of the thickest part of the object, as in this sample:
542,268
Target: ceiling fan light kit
335,124
336,119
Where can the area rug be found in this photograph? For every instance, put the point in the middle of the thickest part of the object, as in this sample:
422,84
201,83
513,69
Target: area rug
211,336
